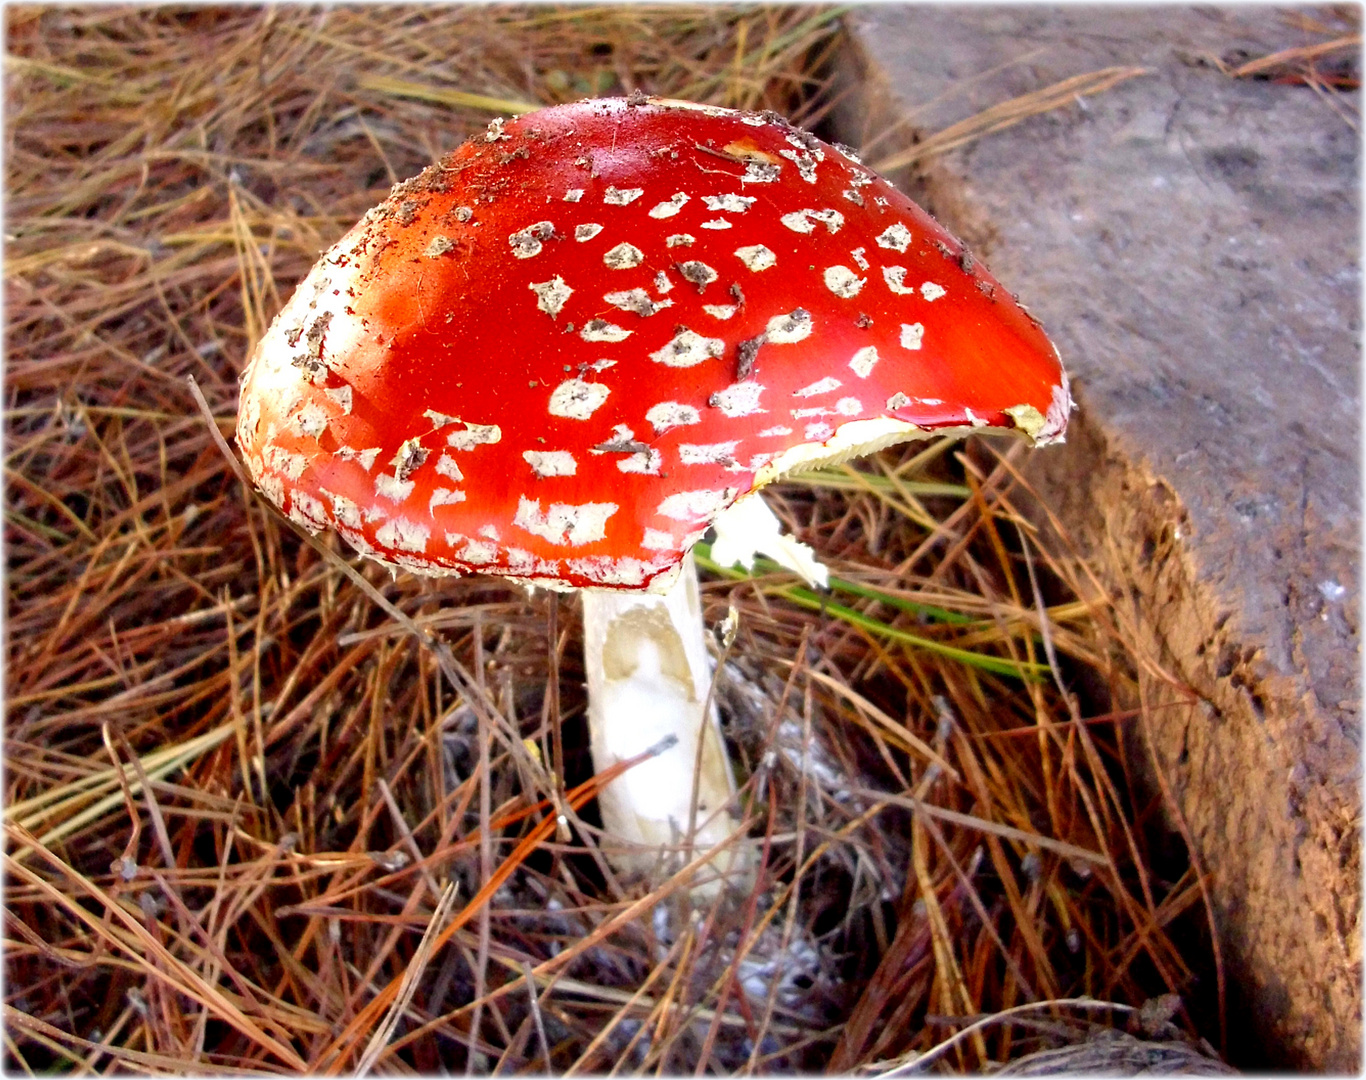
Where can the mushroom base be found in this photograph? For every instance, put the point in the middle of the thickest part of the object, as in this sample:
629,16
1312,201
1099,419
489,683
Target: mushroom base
648,678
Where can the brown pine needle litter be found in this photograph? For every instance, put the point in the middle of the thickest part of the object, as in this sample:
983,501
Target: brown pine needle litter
270,810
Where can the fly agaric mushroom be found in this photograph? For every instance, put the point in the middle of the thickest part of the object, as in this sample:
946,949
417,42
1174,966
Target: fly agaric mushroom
570,347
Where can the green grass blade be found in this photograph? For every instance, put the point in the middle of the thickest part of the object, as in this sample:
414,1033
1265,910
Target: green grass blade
1029,672
929,611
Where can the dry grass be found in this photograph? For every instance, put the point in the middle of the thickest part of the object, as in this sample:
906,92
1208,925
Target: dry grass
269,810
1329,64
1007,114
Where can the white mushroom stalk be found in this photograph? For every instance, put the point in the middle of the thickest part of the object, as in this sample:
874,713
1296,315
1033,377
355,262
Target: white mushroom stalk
649,677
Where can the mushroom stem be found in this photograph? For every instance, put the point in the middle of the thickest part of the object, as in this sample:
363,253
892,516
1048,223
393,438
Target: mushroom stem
648,678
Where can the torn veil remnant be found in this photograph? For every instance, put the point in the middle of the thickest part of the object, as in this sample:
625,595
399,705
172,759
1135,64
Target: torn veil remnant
560,354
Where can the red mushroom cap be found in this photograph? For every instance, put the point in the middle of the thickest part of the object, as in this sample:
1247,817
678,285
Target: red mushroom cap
559,352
